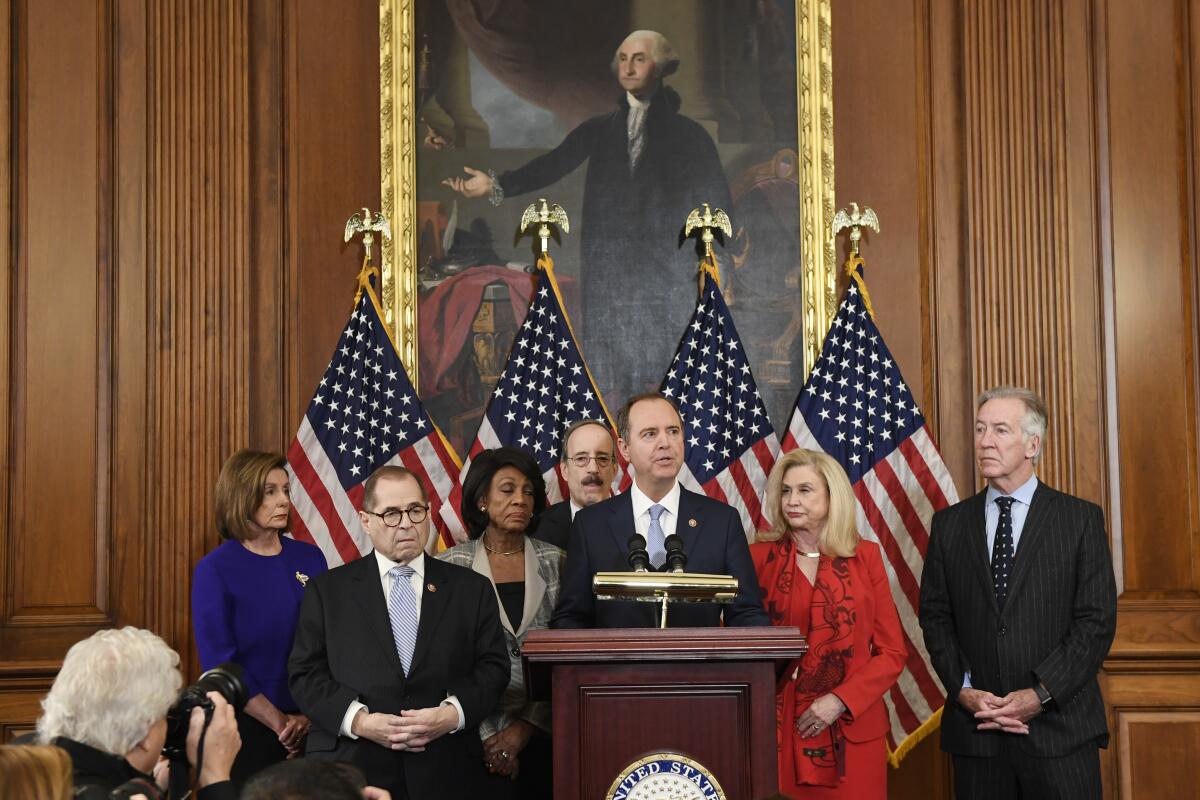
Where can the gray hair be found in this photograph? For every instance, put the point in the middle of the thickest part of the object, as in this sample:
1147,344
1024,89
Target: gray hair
112,688
580,423
1033,423
661,52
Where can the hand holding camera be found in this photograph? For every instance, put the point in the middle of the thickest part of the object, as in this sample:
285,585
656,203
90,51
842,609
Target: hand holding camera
221,742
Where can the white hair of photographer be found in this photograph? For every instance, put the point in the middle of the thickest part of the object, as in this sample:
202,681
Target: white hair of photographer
665,60
112,688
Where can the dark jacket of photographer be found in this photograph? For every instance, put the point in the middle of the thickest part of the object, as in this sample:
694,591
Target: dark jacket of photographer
102,775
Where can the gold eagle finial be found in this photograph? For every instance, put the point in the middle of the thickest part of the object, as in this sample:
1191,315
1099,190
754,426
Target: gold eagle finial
544,214
368,225
855,220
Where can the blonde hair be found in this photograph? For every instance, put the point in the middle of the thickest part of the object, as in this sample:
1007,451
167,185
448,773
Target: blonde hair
240,489
112,688
35,772
840,536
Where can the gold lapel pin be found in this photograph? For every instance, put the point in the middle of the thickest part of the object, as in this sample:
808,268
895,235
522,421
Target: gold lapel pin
429,587
692,523
300,576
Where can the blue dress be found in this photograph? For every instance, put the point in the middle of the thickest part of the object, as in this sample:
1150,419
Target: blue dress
244,609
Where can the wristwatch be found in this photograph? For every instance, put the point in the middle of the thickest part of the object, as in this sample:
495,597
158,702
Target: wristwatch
1043,694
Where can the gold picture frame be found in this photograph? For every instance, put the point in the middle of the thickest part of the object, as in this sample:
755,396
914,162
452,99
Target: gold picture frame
398,147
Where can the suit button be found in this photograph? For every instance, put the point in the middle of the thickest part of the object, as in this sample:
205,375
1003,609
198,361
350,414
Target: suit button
516,652
1003,630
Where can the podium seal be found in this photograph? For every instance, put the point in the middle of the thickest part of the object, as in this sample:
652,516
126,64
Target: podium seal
665,776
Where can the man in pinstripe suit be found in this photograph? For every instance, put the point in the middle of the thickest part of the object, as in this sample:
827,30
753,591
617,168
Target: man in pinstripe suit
1018,608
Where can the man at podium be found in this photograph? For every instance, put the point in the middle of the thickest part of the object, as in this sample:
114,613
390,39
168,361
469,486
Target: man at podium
650,436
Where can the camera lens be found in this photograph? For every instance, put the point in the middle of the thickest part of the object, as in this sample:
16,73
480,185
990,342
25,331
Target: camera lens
227,680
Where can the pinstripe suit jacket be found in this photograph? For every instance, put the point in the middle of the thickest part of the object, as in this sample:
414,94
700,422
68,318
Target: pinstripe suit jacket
1056,627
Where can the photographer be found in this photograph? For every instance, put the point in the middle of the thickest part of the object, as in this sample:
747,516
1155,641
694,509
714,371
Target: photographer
108,709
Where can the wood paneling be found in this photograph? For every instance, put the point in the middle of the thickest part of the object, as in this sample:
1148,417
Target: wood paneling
1029,185
199,283
169,216
60,265
175,177
333,169
1151,127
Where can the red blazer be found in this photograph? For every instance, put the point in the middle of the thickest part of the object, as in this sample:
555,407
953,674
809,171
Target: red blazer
879,647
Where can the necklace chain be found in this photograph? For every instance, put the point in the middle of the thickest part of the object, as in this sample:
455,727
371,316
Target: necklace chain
491,549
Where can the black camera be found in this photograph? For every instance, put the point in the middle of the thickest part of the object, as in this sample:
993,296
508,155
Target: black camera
227,680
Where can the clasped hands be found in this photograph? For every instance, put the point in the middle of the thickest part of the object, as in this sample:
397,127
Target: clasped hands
501,749
1009,714
410,731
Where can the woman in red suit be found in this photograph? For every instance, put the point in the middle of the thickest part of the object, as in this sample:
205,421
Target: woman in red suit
818,574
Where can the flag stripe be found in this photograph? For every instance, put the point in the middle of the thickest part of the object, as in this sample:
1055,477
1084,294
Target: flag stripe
856,407
363,415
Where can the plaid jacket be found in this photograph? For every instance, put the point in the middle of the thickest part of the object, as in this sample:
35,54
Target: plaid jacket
543,562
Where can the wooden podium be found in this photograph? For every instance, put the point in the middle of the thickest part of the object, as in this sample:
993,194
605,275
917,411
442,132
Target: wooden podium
623,693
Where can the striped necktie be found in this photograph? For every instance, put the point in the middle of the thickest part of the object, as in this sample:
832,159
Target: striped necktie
402,609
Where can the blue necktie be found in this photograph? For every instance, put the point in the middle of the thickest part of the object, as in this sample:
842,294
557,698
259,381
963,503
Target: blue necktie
402,609
1002,551
656,542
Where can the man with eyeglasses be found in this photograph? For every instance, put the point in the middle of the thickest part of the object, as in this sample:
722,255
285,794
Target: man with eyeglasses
396,653
589,464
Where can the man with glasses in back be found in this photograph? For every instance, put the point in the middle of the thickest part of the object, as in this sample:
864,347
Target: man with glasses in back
399,657
589,464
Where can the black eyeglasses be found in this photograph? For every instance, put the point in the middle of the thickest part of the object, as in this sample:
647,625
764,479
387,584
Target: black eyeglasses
581,460
393,516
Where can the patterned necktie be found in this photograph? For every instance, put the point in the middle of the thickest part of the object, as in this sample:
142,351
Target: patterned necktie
1002,551
656,542
402,609
637,135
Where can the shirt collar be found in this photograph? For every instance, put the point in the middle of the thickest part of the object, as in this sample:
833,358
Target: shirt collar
575,508
385,564
642,503
1023,493
635,103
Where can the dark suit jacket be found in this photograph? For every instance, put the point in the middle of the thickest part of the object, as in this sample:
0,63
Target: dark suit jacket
555,525
716,544
1057,625
344,651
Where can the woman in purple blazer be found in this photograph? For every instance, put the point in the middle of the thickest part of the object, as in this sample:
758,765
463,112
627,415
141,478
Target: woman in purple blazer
245,600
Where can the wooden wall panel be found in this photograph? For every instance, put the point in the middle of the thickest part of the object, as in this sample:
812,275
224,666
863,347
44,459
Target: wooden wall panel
332,95
198,282
1153,184
1029,277
61,302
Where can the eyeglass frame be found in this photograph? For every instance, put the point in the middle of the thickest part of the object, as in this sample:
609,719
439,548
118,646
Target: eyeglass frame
587,459
402,512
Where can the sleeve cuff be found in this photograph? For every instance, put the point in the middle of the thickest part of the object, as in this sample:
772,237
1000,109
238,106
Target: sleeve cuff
967,680
348,718
462,718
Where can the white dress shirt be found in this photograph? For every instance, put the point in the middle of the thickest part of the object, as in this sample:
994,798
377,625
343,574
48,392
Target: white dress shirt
1020,510
641,510
417,580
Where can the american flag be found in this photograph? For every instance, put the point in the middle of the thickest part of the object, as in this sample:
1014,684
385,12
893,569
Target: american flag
544,388
363,415
856,407
731,445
